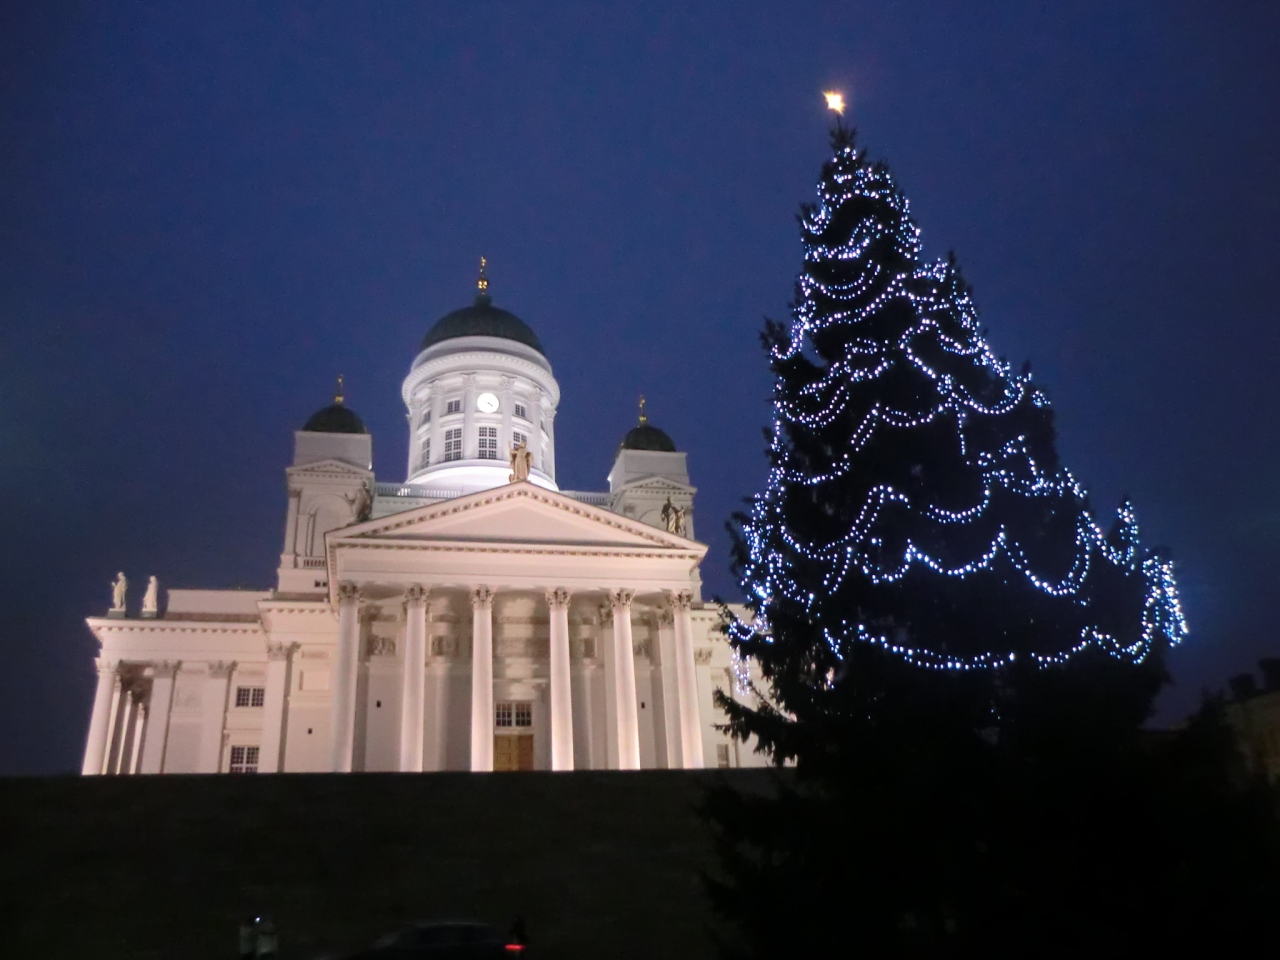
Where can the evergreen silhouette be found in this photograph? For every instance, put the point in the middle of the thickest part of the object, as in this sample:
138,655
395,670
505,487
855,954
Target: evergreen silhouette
957,658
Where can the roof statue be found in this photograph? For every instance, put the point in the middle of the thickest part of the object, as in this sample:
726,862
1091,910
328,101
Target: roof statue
118,591
521,458
151,599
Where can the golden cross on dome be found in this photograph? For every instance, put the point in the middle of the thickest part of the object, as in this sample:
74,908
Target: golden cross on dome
337,397
482,284
643,418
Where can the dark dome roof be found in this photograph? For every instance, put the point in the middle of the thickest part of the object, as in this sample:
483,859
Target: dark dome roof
481,319
335,419
647,437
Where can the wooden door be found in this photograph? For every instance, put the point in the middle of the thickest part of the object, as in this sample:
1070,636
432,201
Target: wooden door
513,751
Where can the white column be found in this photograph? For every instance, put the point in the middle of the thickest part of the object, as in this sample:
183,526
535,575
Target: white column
118,696
436,399
482,679
561,690
214,708
290,555
95,748
158,716
413,691
470,442
687,681
624,679
140,711
670,689
342,711
535,434
274,699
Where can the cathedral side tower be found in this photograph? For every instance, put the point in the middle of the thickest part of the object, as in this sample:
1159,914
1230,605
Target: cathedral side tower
329,486
479,386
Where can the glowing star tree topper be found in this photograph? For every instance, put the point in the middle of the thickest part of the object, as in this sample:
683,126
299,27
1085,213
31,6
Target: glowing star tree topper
835,101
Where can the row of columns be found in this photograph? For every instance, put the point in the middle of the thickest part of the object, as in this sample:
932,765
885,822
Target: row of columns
129,727
413,705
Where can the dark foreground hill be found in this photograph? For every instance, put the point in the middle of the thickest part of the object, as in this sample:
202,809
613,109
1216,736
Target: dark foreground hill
598,864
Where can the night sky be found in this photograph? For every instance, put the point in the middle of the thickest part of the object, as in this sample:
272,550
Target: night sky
208,213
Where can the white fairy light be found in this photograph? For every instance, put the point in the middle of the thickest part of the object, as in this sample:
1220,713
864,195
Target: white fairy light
914,324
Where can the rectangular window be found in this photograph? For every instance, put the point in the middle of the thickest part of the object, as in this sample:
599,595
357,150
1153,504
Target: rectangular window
722,756
425,459
488,443
518,438
426,417
251,696
453,406
453,444
513,714
502,715
244,759
521,412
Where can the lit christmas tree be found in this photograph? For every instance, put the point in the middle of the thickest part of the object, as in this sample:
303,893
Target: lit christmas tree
915,506
957,659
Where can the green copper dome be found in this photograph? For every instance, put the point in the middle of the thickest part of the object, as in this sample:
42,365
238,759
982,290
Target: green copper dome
482,319
647,437
335,419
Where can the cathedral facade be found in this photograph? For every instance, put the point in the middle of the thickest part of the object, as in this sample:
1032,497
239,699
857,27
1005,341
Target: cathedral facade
474,617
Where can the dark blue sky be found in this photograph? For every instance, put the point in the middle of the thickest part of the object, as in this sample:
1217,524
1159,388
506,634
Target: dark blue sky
208,212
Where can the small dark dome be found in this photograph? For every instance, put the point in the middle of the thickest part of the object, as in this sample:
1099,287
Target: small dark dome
482,319
647,437
335,419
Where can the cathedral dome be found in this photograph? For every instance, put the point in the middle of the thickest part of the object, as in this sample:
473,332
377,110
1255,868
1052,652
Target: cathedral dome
335,418
482,319
647,437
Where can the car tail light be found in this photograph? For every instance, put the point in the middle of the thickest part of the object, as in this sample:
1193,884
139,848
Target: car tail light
515,949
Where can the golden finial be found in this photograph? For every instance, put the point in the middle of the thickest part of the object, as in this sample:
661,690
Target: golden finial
643,418
337,397
482,284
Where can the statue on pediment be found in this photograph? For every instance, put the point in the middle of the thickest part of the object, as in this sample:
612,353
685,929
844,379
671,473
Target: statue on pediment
151,599
673,518
361,503
119,590
521,459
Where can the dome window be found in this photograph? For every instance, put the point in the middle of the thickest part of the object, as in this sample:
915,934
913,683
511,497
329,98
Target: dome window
488,443
521,412
453,444
453,406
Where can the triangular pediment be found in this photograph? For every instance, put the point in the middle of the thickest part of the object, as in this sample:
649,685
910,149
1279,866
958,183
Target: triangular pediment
658,485
516,514
330,467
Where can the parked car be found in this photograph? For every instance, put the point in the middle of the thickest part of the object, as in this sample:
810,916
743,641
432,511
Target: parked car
453,940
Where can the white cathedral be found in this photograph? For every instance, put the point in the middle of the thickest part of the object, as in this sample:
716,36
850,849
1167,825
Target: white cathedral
475,617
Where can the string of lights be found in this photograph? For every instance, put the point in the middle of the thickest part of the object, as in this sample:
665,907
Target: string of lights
879,344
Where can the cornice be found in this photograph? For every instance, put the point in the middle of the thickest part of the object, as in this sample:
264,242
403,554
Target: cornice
104,625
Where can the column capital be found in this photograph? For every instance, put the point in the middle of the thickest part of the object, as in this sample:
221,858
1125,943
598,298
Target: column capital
221,669
681,599
166,668
348,592
107,667
277,650
557,597
620,598
415,593
469,380
481,596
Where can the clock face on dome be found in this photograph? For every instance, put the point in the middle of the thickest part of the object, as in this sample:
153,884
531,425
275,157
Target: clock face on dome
487,403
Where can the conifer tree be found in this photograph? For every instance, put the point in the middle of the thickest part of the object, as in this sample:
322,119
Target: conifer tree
916,513
956,657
